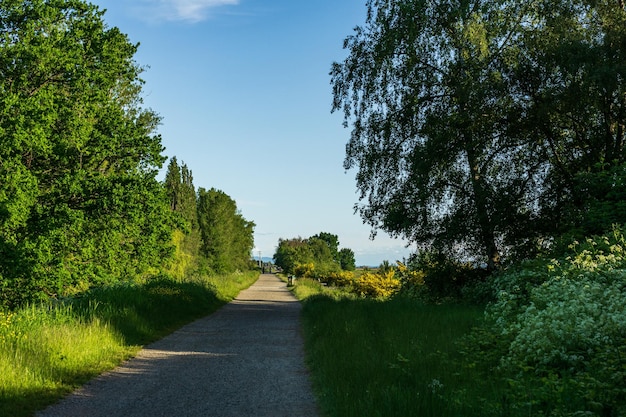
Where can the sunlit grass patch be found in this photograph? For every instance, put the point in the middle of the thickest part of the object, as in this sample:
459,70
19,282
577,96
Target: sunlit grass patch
48,350
305,288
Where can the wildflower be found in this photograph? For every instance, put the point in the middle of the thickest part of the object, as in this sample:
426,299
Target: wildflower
435,386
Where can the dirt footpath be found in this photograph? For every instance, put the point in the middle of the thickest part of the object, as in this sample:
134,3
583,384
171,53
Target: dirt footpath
244,360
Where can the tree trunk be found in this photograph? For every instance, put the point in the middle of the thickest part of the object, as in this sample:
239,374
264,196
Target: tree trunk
487,232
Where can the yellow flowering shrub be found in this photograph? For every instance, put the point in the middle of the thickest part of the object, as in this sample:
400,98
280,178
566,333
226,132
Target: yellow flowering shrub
379,285
410,278
340,279
304,270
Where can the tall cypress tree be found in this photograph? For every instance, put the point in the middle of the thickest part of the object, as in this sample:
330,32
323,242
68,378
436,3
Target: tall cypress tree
173,184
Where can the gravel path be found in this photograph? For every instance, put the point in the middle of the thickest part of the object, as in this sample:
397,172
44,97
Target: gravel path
244,360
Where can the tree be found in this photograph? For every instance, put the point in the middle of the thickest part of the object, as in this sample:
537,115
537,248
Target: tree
317,250
346,259
426,101
472,120
291,252
173,184
227,238
186,237
332,241
181,193
571,90
79,202
188,202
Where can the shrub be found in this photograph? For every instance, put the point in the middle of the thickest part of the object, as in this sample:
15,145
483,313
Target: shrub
340,279
323,270
412,282
564,325
445,277
380,285
304,270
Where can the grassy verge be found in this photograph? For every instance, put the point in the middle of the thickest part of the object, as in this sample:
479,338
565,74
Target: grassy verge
306,288
49,350
400,357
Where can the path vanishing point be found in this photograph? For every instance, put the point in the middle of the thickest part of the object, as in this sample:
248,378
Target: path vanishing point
247,359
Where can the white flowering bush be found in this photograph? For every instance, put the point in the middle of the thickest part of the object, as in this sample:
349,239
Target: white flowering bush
563,325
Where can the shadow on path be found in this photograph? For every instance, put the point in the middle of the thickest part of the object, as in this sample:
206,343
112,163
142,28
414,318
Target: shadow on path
246,359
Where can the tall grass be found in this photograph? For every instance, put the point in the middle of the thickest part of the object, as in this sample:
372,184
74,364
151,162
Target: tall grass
48,350
306,288
394,358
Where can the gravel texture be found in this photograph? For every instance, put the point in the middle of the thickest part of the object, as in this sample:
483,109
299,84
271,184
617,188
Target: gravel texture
246,359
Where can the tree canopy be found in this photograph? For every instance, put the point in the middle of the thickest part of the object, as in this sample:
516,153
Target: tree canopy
473,121
227,237
80,204
321,251
79,201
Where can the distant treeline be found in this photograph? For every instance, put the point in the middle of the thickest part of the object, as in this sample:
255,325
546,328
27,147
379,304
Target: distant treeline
317,256
209,226
80,205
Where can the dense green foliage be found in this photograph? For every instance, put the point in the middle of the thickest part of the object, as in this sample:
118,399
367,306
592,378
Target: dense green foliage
492,134
80,205
227,237
48,350
79,202
552,343
560,326
181,194
346,260
211,234
317,256
96,256
486,128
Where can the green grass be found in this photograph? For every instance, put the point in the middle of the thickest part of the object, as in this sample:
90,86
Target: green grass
305,288
49,350
394,358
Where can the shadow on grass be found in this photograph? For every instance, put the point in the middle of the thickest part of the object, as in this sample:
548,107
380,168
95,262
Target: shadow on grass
142,314
28,402
135,314
398,357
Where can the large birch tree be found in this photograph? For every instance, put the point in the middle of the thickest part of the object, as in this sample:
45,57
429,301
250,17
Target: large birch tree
427,103
486,127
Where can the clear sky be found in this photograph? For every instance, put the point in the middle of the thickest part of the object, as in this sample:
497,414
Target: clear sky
245,96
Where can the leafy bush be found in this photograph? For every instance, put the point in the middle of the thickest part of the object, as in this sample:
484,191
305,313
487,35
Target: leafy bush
380,285
443,276
323,270
412,281
304,270
340,279
563,327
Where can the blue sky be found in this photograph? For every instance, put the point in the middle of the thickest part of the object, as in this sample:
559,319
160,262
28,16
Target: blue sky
244,93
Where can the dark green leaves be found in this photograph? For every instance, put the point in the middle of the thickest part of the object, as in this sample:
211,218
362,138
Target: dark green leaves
227,237
472,120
